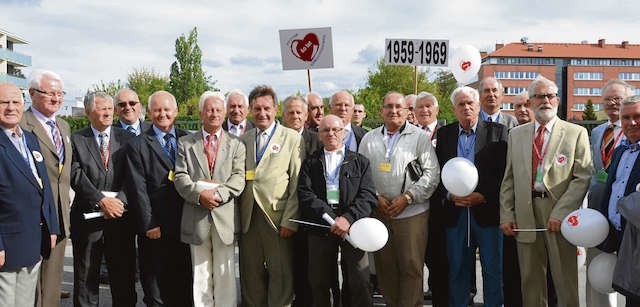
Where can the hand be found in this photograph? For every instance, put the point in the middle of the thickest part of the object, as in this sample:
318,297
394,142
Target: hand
382,209
54,238
154,233
470,200
209,199
1,259
340,227
553,225
507,229
112,207
285,232
397,205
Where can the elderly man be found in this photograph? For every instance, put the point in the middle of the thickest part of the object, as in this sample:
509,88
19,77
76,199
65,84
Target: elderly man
53,137
100,223
410,101
28,220
316,111
543,183
274,155
359,114
210,175
605,138
129,111
406,173
346,193
491,96
341,104
474,217
622,180
522,108
157,207
237,110
426,110
294,116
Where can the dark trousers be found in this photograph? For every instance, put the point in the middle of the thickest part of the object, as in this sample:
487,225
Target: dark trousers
436,260
117,242
165,272
511,273
301,287
323,254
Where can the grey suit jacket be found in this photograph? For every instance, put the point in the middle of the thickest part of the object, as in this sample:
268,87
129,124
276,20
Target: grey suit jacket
507,120
597,187
192,165
59,180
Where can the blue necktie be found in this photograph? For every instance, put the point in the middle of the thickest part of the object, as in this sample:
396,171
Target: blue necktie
170,146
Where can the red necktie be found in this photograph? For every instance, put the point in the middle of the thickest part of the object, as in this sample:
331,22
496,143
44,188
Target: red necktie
211,150
537,153
607,145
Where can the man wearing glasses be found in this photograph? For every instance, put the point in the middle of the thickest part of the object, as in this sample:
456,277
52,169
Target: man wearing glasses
45,89
128,109
547,176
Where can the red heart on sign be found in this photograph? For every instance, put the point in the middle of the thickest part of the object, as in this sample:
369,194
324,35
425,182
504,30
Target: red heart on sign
306,48
573,220
465,65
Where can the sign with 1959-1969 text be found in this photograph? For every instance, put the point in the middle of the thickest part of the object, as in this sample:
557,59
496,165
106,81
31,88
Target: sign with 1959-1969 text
416,52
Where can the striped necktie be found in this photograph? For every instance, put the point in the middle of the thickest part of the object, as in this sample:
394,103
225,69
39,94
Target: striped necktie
57,139
607,145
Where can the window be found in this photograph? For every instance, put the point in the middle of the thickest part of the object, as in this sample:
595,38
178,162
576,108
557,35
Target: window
579,106
521,75
588,76
604,62
586,91
506,106
514,90
637,90
629,76
526,61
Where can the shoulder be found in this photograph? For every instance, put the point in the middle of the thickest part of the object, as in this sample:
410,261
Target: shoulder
571,127
121,134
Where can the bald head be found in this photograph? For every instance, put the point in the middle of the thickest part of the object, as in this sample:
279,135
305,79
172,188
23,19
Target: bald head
11,105
331,132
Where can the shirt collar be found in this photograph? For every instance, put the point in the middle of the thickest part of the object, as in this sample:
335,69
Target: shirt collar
161,133
43,119
339,151
384,129
243,123
206,134
269,129
135,125
616,124
494,116
548,126
9,132
473,128
432,126
96,132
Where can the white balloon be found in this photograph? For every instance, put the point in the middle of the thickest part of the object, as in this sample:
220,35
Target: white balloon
582,256
585,227
459,176
369,234
465,63
600,272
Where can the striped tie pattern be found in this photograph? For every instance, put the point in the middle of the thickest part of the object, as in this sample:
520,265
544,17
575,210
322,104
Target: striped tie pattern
607,144
57,139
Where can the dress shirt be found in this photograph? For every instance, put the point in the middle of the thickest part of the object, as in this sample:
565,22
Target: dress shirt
206,134
617,130
333,160
96,134
43,120
136,127
350,137
20,145
619,185
236,129
485,116
160,135
467,142
548,127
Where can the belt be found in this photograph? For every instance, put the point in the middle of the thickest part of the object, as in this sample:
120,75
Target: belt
536,194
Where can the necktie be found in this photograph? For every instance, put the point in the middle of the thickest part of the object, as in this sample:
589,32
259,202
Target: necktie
262,140
632,147
57,139
489,119
170,146
104,148
538,143
131,130
607,145
211,150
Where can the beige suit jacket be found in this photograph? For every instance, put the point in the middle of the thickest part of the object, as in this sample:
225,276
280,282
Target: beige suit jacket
60,180
275,183
567,172
192,165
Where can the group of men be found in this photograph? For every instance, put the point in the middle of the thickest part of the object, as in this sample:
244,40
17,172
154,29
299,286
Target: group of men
190,197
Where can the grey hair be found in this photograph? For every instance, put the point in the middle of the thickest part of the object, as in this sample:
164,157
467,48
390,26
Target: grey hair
628,88
425,95
388,94
629,101
465,90
90,100
481,84
541,81
236,92
36,78
333,97
293,98
209,94
173,99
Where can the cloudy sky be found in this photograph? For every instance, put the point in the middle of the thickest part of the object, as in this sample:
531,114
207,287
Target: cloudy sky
91,41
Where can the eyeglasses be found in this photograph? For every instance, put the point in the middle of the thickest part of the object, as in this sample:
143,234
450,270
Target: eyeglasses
51,94
334,130
543,96
613,99
131,103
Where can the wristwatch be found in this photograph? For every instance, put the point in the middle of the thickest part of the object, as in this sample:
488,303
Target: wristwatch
408,197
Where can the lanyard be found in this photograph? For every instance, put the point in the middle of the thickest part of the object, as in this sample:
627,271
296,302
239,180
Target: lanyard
390,143
433,132
260,151
332,178
348,140
25,151
537,151
606,156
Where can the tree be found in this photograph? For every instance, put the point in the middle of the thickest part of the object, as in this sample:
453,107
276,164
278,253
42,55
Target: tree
145,81
110,87
589,113
187,79
445,84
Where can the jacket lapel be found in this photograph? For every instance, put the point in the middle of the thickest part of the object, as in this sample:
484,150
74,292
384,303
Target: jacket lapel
152,141
197,150
250,163
525,142
555,139
17,160
481,136
92,147
223,149
34,125
277,138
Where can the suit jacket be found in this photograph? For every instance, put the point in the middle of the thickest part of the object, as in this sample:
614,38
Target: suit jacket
612,242
567,172
23,205
359,132
249,126
311,142
490,157
150,192
274,188
89,177
192,165
597,187
59,180
507,120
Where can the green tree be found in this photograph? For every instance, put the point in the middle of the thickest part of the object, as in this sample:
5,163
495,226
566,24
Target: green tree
187,79
445,84
145,81
110,87
589,113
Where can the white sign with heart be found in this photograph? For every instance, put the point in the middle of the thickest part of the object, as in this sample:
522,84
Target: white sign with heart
306,48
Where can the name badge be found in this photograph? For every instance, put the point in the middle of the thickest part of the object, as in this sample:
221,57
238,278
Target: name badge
537,185
602,176
384,167
333,194
171,176
249,175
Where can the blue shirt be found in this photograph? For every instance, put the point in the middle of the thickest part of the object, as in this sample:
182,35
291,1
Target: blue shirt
160,135
467,143
619,185
485,117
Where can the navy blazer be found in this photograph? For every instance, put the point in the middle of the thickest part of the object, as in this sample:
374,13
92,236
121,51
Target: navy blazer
24,205
613,240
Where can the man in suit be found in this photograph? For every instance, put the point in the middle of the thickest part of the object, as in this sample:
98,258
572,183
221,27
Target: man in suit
97,177
605,138
274,155
346,192
623,179
403,199
316,111
543,183
341,104
491,97
237,110
129,111
53,137
522,108
157,207
208,215
475,217
294,115
28,220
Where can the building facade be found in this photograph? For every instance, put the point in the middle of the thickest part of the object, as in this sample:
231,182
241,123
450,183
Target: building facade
580,70
11,61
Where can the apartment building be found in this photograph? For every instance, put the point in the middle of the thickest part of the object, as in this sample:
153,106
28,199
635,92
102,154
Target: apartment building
11,61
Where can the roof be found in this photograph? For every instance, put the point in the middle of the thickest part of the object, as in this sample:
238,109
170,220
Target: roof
13,38
569,50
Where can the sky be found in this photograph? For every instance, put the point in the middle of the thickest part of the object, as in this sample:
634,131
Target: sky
87,42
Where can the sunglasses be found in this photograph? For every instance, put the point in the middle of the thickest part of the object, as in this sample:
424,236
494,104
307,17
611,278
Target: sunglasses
131,103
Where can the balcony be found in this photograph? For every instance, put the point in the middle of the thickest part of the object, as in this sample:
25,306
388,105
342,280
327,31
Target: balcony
15,58
20,82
